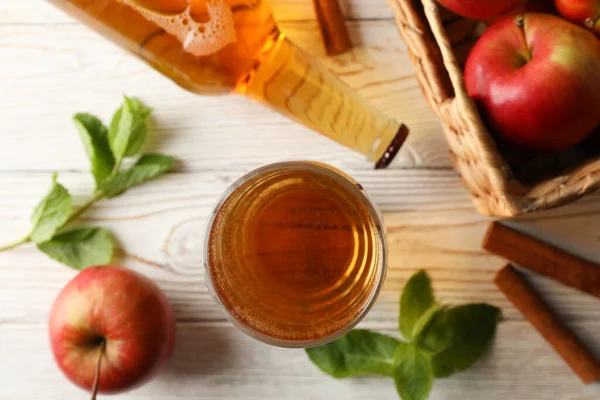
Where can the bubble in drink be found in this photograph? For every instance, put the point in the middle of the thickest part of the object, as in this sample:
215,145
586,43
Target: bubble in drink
198,38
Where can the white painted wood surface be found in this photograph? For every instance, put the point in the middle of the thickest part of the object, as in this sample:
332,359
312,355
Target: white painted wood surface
50,67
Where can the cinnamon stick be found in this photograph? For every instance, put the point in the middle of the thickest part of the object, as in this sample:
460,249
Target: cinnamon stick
566,344
543,258
333,27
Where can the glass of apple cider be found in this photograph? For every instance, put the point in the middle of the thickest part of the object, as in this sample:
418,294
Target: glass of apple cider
295,254
234,46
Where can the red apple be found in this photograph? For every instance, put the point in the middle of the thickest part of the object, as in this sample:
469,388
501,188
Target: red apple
536,80
481,9
116,316
585,12
532,6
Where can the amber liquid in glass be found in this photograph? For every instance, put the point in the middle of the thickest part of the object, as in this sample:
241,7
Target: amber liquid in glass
234,46
294,255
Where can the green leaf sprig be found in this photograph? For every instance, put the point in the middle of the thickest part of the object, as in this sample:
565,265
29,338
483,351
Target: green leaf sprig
106,149
440,341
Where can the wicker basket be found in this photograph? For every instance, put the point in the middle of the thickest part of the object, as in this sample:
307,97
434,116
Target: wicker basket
503,181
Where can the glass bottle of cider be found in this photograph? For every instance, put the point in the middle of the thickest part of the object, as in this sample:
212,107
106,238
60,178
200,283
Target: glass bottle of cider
234,46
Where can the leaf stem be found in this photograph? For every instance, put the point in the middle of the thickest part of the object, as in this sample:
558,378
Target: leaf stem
74,215
86,206
117,166
16,243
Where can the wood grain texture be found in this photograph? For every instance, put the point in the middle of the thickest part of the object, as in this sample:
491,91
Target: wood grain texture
87,73
53,67
214,361
430,221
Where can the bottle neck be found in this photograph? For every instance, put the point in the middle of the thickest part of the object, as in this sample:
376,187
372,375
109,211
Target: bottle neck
300,87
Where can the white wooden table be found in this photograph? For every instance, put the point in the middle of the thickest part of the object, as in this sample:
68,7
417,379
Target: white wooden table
51,67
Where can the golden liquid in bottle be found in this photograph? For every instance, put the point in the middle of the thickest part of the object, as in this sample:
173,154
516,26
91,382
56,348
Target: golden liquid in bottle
205,46
294,255
234,46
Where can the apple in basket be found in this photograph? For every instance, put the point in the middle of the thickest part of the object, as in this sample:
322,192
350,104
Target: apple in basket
535,78
537,6
585,12
481,9
111,326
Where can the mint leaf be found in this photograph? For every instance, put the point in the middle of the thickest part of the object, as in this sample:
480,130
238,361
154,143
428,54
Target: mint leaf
149,166
94,136
51,213
460,336
128,128
413,372
438,333
81,248
359,352
416,299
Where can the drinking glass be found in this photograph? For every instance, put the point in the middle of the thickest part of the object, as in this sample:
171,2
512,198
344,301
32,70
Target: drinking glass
295,254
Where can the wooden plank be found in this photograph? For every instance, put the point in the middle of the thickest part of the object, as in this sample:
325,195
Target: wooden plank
21,12
214,361
56,71
53,67
431,225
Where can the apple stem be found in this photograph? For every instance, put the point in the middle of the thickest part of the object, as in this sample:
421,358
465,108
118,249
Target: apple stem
98,365
520,22
591,21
